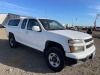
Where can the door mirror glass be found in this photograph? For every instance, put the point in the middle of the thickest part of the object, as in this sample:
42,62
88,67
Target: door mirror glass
36,28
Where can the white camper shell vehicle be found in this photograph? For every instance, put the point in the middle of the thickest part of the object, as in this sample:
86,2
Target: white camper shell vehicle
60,46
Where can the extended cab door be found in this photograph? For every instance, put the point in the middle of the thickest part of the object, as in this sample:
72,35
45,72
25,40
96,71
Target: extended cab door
22,32
33,38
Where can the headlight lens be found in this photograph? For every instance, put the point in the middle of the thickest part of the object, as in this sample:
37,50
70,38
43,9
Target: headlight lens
76,48
75,41
78,41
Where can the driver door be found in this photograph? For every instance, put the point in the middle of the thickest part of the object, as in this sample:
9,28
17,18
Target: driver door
34,38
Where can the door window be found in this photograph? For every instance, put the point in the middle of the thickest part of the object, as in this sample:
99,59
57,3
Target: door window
31,23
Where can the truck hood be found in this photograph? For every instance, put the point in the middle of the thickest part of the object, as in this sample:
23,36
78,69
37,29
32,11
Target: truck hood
72,34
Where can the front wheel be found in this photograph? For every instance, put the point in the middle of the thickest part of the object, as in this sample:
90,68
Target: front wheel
55,59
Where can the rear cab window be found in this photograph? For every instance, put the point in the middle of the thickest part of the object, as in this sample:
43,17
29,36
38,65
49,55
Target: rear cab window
14,22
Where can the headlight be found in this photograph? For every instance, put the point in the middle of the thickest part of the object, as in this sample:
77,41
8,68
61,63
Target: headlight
76,48
75,41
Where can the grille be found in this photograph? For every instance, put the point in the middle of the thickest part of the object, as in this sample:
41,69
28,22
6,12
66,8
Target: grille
88,46
88,40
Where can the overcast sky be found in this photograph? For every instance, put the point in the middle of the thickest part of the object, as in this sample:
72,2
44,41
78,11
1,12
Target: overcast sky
80,12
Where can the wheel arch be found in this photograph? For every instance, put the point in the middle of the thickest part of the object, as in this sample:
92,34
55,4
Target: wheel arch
53,44
10,34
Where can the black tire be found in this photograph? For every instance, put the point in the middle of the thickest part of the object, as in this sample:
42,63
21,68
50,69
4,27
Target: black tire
12,42
59,56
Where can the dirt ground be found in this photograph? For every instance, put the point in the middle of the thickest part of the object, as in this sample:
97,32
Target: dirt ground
27,61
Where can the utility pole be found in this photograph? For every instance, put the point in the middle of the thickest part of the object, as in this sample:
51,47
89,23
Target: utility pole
73,21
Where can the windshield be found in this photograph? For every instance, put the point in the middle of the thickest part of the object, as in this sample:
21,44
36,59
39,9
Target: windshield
51,24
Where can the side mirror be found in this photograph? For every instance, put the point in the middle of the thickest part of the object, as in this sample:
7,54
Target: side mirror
36,28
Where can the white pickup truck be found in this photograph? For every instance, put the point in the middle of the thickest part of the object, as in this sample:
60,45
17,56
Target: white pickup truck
60,46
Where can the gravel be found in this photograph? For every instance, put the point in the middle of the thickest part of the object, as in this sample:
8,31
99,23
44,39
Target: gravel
27,61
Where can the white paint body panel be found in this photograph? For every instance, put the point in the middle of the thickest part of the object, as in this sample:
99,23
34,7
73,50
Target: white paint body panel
38,40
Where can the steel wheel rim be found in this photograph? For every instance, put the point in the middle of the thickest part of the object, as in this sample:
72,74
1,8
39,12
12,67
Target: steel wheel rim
54,60
11,41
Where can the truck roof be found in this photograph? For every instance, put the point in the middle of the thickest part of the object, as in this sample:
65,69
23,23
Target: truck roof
25,17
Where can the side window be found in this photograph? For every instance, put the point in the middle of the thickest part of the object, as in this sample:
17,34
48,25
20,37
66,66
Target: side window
14,22
31,23
24,24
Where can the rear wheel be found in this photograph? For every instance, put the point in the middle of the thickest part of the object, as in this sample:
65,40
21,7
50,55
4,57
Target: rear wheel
12,42
55,59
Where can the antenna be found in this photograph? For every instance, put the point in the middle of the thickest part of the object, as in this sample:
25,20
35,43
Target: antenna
46,12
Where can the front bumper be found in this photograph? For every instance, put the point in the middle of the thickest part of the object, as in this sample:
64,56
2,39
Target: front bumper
76,58
81,55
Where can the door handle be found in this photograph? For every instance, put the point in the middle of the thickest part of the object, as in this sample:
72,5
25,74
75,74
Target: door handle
26,32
